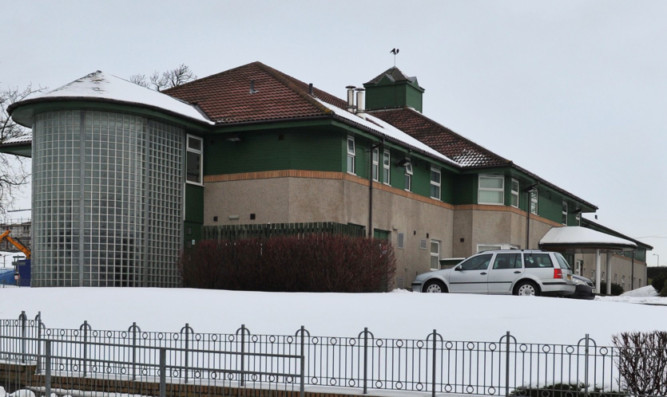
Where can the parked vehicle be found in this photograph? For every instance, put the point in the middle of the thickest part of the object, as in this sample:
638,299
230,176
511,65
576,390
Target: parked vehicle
584,288
518,272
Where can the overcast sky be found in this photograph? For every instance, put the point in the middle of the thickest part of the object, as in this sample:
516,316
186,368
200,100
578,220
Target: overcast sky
573,91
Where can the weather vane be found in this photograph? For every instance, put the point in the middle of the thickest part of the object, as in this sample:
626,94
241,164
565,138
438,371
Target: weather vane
394,51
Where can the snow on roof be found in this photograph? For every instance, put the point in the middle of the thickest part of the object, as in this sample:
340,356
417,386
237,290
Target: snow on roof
99,85
578,236
387,129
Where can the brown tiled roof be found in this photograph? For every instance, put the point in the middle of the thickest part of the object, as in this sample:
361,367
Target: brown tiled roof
465,152
227,98
440,138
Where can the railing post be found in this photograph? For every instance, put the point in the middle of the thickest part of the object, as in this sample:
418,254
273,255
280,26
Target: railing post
38,321
84,327
134,328
366,333
23,319
242,373
187,330
507,364
302,380
47,364
587,344
433,370
163,372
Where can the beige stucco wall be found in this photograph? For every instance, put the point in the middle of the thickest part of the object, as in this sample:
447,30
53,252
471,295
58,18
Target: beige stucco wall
343,200
295,197
621,269
484,225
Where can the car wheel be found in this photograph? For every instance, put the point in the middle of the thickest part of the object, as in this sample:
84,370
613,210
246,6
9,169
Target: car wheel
527,288
435,286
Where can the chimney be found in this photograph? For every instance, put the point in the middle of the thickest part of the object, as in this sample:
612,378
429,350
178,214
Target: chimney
350,98
360,100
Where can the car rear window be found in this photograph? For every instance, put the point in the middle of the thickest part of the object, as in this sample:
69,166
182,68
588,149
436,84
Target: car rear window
537,261
562,262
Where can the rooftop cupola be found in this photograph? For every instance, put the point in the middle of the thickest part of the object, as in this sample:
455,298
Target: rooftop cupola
392,89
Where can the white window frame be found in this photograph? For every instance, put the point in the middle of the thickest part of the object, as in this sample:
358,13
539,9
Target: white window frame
351,155
200,153
435,255
375,168
437,185
515,186
534,201
386,167
408,176
481,189
564,213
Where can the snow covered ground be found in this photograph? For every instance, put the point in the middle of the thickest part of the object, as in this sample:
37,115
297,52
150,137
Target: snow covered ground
400,314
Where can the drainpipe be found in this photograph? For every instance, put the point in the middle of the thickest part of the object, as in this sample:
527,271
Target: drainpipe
370,188
528,190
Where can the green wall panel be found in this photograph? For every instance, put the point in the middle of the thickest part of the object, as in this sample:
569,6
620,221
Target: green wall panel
273,150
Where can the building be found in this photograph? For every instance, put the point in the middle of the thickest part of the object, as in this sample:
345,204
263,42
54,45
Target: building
125,177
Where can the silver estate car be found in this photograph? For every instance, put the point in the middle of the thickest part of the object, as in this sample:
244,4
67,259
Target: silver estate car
518,272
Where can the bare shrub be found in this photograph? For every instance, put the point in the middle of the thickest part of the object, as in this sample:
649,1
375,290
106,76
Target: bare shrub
642,362
333,263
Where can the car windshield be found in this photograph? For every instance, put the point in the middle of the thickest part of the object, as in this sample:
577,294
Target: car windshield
562,261
477,262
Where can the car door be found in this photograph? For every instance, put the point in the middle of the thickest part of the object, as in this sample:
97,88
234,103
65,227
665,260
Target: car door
505,270
470,276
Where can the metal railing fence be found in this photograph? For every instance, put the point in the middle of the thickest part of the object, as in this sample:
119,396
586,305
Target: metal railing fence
430,365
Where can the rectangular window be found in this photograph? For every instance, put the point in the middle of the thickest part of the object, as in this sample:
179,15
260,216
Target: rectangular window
194,163
435,183
491,189
515,193
564,213
376,164
533,201
408,177
386,167
351,153
435,254
400,240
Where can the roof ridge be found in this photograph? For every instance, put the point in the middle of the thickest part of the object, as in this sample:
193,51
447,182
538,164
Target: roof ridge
289,82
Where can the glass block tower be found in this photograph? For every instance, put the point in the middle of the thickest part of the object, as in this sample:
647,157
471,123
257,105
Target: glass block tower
108,184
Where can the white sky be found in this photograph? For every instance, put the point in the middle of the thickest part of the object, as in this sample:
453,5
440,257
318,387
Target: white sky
574,91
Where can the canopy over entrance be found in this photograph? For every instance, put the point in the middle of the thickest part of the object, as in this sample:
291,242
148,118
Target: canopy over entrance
583,239
578,239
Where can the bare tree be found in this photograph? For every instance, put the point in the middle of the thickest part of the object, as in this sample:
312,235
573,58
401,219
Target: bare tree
165,80
13,169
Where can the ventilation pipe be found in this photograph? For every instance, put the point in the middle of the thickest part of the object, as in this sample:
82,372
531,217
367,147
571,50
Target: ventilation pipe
350,98
360,100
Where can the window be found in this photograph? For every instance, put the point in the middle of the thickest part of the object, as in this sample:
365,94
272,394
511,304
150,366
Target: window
491,189
507,261
435,254
515,193
533,201
537,261
386,167
376,164
194,164
564,213
435,183
351,153
478,262
400,240
408,176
